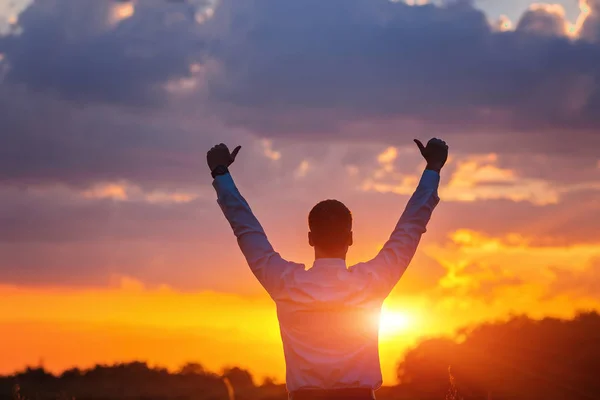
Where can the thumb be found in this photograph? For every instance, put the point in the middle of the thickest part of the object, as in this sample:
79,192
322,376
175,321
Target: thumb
420,146
235,152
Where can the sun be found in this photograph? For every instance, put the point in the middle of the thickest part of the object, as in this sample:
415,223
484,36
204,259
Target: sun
394,322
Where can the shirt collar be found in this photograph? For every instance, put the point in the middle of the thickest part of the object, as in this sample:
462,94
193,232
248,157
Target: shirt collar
329,263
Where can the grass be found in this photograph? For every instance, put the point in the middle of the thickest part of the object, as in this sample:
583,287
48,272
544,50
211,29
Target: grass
451,395
452,390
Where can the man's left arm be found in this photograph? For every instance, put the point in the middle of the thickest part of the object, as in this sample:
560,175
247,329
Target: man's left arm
390,263
386,269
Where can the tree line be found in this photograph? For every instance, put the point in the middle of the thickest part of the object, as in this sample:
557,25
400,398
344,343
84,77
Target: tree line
522,358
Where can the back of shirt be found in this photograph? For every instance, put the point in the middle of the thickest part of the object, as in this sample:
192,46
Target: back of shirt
329,322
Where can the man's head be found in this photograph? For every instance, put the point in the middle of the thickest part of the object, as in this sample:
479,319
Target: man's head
330,224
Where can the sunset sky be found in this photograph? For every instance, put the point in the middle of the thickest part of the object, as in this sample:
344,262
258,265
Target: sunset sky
112,246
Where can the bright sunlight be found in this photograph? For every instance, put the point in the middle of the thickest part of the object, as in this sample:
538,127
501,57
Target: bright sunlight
394,322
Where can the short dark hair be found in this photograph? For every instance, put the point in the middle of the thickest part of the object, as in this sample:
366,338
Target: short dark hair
330,223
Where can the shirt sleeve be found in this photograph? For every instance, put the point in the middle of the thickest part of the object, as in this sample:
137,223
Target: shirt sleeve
267,265
386,269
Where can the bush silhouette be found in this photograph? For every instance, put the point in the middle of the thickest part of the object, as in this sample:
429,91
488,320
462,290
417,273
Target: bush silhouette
549,359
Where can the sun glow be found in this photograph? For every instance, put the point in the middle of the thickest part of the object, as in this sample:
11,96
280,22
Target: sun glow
394,322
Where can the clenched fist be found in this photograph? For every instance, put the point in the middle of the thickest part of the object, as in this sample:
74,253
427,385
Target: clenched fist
220,155
435,153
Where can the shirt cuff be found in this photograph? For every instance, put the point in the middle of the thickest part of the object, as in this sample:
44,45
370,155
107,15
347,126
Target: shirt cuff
430,179
223,182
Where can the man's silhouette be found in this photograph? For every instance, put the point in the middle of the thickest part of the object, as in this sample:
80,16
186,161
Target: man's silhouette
329,314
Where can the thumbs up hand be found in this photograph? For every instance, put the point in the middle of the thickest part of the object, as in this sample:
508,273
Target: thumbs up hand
435,153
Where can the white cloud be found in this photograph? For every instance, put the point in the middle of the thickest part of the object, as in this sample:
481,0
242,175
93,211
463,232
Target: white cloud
302,169
123,191
268,150
473,178
120,11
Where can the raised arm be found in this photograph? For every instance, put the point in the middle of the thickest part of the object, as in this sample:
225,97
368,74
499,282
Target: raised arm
388,266
267,265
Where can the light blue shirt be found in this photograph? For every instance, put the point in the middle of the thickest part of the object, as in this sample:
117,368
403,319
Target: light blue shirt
329,314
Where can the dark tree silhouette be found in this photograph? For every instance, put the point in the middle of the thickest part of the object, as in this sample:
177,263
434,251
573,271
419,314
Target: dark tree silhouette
519,359
550,359
240,379
192,369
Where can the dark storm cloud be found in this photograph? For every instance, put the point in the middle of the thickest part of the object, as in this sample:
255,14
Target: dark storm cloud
72,48
542,21
84,99
342,60
591,29
45,140
66,218
441,68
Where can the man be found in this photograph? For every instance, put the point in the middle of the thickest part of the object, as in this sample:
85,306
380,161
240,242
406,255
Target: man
329,315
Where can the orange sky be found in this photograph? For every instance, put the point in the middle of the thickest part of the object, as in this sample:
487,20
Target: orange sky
499,243
112,247
68,327
467,270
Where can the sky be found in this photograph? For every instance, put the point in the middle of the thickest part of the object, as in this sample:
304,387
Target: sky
112,246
